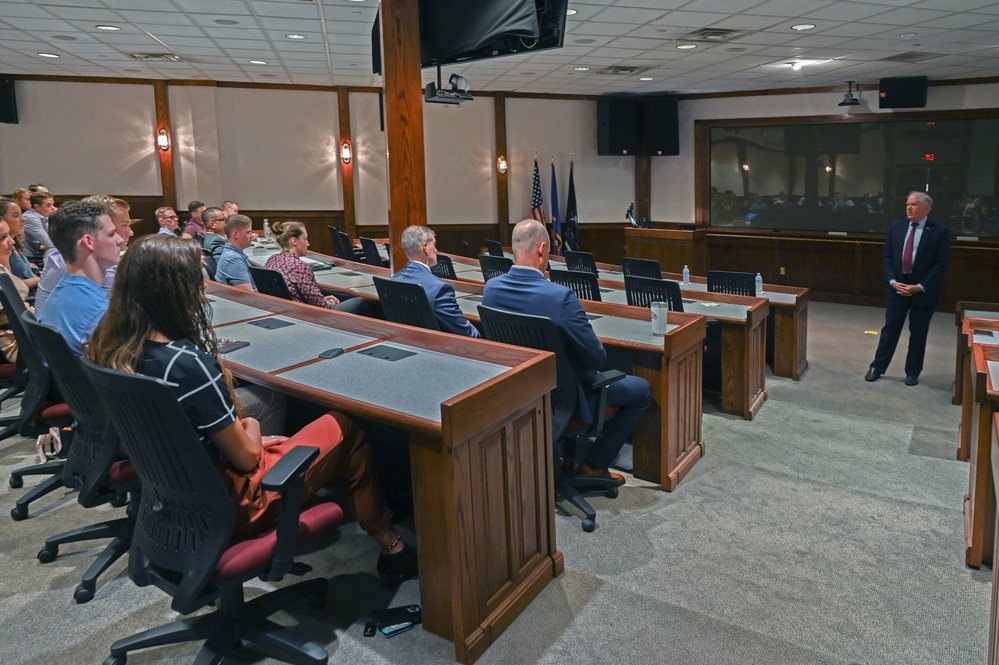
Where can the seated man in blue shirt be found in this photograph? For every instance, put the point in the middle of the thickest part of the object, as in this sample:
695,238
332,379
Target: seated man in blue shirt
89,243
233,266
420,245
526,290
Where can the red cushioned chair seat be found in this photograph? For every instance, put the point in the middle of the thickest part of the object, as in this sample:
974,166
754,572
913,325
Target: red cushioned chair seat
577,425
122,472
58,411
248,555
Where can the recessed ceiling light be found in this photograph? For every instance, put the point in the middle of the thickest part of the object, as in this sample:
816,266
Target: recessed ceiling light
796,66
736,49
686,47
907,35
258,62
48,55
356,0
803,26
355,13
645,78
571,12
295,36
580,69
109,28
132,70
225,21
585,40
268,76
64,38
528,74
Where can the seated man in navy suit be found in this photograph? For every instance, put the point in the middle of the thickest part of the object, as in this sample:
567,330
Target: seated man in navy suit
420,245
526,290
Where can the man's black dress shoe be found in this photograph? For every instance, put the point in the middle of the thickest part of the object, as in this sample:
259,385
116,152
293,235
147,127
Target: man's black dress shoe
873,374
911,380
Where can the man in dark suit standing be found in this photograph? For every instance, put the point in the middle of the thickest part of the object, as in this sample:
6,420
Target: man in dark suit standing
420,245
916,255
526,290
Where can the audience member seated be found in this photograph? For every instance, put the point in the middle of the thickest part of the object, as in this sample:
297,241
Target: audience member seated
293,239
196,224
85,236
159,325
20,265
214,220
526,290
420,245
167,218
23,198
229,208
8,343
36,223
233,266
55,265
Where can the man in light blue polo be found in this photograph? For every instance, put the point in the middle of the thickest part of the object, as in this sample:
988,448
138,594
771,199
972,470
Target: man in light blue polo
233,265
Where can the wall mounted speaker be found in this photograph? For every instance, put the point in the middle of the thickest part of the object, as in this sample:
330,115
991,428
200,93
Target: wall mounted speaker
619,126
660,127
903,92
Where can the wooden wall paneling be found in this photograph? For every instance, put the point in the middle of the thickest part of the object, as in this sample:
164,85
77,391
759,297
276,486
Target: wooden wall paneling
973,274
168,180
605,240
643,187
403,83
744,254
346,170
502,179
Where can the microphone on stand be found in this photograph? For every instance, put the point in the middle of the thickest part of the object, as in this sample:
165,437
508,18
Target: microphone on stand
630,215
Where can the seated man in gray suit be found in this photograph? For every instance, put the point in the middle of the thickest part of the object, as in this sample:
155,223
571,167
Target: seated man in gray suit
420,245
214,221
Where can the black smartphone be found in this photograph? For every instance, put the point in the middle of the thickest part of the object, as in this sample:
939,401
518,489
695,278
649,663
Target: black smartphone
396,628
394,615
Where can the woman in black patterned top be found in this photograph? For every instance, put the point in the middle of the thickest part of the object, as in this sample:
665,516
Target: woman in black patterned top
159,324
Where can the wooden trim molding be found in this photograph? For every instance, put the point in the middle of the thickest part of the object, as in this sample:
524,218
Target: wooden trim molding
168,180
346,170
502,179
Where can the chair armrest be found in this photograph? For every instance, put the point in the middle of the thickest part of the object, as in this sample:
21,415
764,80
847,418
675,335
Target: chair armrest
288,478
603,379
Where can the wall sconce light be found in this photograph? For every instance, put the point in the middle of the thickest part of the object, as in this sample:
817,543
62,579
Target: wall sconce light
828,169
501,165
745,167
163,140
345,152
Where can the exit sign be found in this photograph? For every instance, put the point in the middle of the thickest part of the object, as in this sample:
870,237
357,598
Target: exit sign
929,156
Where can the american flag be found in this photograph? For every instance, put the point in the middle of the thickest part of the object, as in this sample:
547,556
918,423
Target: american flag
537,204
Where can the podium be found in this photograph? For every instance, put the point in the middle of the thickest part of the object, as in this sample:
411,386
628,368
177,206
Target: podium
673,248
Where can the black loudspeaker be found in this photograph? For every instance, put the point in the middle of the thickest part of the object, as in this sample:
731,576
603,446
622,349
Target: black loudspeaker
903,92
619,126
660,127
8,102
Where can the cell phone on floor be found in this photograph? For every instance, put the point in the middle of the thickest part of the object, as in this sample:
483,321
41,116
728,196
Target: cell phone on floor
396,628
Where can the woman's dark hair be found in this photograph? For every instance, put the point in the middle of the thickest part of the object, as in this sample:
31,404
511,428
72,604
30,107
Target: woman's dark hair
158,288
285,231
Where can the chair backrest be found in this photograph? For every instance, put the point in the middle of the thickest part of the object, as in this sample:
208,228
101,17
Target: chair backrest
405,302
444,268
270,282
494,248
642,291
584,284
641,268
185,517
95,442
733,283
467,249
494,266
209,262
371,255
537,332
342,245
580,261
39,380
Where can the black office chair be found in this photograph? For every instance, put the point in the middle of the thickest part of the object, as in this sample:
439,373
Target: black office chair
539,332
406,303
371,255
494,248
270,282
641,268
210,264
41,408
580,261
469,254
584,284
184,542
92,464
342,246
643,291
444,268
732,283
494,266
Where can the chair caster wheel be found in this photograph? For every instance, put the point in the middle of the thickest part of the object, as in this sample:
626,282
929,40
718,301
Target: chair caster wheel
114,660
589,525
47,554
16,482
119,501
611,493
18,513
85,594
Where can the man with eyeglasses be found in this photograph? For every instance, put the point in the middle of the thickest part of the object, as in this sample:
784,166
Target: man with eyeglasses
168,220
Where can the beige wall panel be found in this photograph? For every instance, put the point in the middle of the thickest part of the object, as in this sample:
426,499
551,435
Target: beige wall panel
370,166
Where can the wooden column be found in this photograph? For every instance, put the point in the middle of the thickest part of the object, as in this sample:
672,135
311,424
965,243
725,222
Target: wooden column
168,180
643,187
502,179
402,83
346,170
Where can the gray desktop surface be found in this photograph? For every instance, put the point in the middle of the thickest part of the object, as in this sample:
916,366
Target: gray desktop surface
626,330
469,304
260,254
465,267
344,280
226,311
772,296
994,373
416,385
706,307
273,349
980,314
373,290
983,337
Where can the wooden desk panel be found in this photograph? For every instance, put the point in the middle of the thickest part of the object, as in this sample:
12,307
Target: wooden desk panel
483,475
980,502
966,340
979,310
993,658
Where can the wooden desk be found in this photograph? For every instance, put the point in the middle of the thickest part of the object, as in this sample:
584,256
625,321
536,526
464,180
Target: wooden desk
980,502
969,334
993,658
671,247
965,309
482,459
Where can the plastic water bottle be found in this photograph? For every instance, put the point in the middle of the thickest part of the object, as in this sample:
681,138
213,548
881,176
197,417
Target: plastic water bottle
759,284
686,275
267,230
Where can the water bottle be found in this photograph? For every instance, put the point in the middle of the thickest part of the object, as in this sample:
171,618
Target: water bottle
267,230
759,284
686,275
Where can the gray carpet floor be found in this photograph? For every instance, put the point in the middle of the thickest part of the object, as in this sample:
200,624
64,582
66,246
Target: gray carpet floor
827,531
